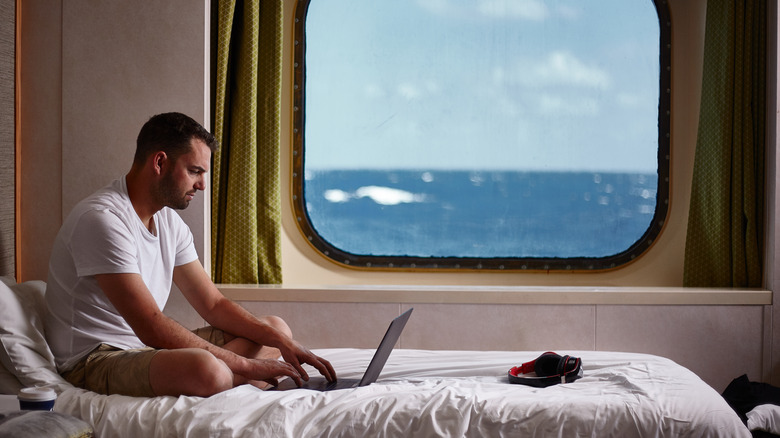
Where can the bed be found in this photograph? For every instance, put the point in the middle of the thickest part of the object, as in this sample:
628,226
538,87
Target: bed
420,393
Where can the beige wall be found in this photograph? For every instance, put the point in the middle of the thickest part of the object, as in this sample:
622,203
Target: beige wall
40,135
7,139
92,72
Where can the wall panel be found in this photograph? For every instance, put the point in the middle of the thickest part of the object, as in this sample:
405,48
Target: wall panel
7,138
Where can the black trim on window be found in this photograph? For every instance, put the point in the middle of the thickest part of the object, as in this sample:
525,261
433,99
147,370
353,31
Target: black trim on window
471,263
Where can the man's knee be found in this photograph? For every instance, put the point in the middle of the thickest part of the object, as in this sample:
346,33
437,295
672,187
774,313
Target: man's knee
189,372
278,323
213,374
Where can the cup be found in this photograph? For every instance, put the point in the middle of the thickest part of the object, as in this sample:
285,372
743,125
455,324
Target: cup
36,399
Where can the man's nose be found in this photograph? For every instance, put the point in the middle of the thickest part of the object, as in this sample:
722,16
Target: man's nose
200,184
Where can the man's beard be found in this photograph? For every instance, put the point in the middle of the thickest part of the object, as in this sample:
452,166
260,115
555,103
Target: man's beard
169,196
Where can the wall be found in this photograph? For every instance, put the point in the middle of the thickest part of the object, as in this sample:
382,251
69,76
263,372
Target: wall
7,139
92,72
772,273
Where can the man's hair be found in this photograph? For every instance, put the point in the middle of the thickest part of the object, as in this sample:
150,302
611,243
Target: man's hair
172,134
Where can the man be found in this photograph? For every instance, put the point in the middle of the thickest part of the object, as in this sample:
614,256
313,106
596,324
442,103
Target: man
110,275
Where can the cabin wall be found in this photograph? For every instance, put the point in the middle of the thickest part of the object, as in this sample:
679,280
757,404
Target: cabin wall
7,139
92,72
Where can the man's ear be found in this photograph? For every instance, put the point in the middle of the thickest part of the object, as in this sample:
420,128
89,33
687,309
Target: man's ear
159,160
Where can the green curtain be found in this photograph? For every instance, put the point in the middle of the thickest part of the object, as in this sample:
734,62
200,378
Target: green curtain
246,206
724,246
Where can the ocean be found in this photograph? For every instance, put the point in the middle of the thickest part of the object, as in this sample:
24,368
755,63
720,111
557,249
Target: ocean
480,214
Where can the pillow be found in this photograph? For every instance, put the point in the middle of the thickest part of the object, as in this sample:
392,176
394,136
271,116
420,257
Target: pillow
9,384
764,417
24,350
8,281
43,423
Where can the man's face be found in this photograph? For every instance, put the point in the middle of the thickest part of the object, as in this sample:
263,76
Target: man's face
182,178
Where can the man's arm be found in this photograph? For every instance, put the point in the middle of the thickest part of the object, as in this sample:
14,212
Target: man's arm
132,299
222,313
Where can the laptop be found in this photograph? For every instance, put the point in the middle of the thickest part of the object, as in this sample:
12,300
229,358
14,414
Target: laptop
319,383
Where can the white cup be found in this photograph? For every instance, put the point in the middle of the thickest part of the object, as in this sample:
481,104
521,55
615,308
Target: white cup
36,399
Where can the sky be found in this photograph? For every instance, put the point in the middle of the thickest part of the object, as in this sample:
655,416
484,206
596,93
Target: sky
482,85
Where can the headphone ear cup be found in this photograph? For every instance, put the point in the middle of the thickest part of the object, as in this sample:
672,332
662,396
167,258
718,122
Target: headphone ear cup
549,364
566,364
569,365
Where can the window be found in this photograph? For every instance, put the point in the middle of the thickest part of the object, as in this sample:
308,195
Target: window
489,134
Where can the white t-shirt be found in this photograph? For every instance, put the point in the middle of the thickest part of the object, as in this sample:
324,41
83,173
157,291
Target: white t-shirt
104,235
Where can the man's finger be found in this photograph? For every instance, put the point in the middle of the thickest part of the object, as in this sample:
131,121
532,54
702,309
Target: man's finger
324,367
331,370
287,369
296,376
302,372
292,361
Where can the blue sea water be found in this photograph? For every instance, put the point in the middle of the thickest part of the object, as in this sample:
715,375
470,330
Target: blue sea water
480,214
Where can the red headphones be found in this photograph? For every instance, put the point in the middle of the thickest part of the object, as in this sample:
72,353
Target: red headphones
549,368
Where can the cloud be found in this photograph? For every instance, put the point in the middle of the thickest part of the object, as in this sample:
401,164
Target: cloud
439,7
534,10
569,12
408,91
563,67
560,68
416,90
514,9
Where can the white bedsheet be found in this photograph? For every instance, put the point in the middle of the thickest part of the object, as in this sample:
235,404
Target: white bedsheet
437,393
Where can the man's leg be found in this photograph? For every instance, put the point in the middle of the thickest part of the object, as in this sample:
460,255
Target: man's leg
147,372
188,371
245,347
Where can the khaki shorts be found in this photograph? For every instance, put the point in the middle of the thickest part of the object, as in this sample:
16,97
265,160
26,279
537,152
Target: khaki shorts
110,370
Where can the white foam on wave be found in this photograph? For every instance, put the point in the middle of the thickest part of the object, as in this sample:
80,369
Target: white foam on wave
380,195
388,195
336,195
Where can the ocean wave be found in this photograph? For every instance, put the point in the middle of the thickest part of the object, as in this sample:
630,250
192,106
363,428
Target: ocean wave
379,194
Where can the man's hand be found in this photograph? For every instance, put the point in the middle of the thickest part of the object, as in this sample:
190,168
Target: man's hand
269,371
296,355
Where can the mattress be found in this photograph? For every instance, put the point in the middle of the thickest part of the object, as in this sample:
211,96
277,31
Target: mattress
437,393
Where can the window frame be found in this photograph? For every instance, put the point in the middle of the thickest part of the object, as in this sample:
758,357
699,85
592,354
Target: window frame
578,264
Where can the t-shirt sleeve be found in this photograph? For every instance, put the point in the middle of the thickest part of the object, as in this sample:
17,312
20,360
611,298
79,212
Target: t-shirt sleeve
102,244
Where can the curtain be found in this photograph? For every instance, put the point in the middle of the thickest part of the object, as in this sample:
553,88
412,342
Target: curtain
246,206
724,246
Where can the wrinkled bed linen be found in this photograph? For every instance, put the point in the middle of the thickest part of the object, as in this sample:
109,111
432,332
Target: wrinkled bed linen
437,393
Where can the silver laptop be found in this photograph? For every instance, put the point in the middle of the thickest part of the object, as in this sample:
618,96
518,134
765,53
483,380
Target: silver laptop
319,383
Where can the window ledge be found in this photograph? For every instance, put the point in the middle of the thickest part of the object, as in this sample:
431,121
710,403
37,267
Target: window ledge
498,295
